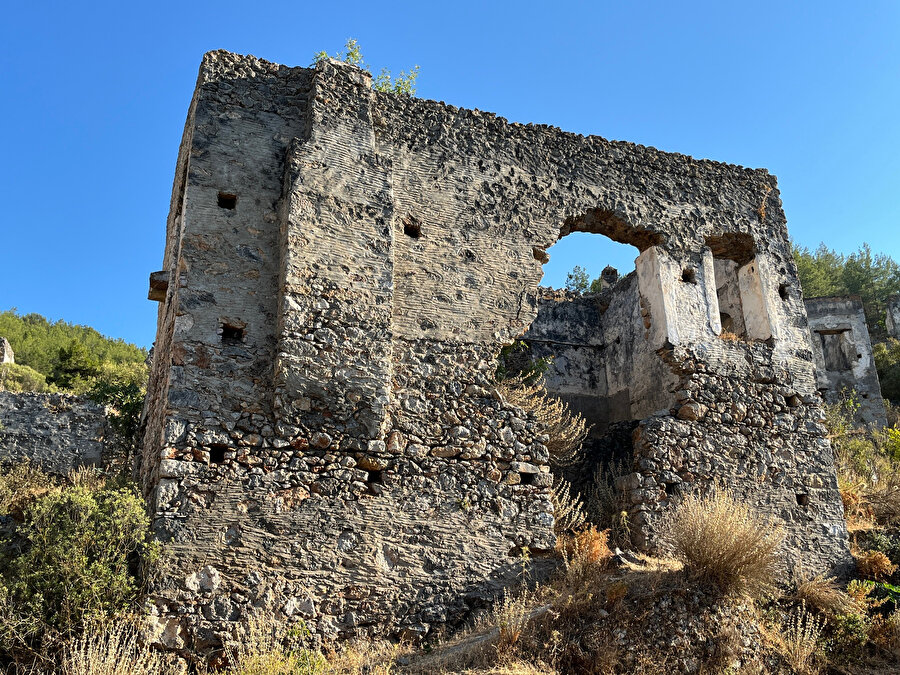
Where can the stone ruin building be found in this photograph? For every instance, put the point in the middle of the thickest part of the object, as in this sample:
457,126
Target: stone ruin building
324,438
892,321
6,352
843,355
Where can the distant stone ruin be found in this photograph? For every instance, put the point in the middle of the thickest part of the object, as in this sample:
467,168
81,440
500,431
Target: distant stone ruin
6,352
893,316
843,354
324,436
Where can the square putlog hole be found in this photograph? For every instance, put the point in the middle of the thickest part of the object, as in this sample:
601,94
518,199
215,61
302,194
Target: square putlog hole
232,333
226,200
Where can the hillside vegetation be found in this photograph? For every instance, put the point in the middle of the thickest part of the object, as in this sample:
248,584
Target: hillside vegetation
62,356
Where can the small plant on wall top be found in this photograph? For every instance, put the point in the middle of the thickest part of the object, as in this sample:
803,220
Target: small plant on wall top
403,83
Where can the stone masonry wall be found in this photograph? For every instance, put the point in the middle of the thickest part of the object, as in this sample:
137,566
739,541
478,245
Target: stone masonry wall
843,354
56,431
323,439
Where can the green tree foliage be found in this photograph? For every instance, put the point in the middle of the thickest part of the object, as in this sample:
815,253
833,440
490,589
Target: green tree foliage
71,558
872,276
578,281
517,361
75,366
121,387
887,362
404,83
37,342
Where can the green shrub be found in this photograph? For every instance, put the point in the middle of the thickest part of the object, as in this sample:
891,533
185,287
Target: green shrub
887,543
847,637
16,377
121,387
75,366
73,558
887,363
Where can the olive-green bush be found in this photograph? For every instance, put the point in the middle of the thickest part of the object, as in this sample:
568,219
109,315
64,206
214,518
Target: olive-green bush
72,556
16,377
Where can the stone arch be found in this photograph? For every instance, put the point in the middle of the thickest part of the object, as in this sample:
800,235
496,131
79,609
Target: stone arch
612,225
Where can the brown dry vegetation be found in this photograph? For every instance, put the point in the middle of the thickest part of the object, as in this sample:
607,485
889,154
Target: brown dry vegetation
567,430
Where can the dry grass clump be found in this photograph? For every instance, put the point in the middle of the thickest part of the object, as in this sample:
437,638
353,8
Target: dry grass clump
857,510
266,648
510,615
798,642
568,510
111,650
722,540
886,632
823,594
873,565
567,430
587,549
271,649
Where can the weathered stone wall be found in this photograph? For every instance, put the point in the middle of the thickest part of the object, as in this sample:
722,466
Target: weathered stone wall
343,266
59,432
893,316
843,354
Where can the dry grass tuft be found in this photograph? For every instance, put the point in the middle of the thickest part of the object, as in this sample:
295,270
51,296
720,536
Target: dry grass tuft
568,510
886,632
823,593
567,430
271,649
511,614
728,336
20,484
873,565
799,641
722,540
111,650
857,510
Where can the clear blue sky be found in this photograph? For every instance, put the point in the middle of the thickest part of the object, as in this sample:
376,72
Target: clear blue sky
94,97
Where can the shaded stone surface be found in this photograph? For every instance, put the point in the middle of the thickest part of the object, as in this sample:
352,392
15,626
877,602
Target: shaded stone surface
892,321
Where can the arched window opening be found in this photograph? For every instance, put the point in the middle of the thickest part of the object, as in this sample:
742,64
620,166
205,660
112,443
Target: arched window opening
739,290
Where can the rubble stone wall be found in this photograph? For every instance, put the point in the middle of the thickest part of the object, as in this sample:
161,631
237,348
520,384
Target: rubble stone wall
59,432
323,434
843,354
